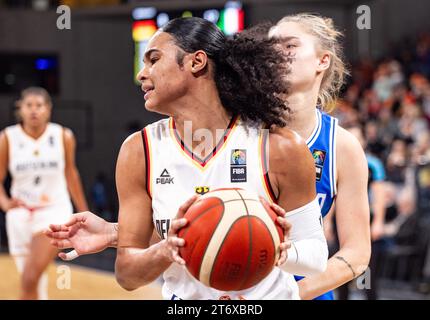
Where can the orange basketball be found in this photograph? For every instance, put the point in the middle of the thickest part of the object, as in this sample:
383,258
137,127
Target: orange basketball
231,239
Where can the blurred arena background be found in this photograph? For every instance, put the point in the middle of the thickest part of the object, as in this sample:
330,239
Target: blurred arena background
89,69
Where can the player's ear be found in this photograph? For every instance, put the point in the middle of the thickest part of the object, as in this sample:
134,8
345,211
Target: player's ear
199,61
323,62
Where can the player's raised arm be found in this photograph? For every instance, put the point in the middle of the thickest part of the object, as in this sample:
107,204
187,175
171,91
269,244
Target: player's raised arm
292,173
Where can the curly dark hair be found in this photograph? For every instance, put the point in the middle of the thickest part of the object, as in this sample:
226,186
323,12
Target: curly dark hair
250,68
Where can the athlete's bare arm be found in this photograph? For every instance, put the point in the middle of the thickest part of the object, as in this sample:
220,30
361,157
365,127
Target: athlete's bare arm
4,199
73,179
137,262
6,203
292,175
352,219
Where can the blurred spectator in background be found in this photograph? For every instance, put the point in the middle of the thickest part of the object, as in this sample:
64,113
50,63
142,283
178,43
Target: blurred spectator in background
373,138
400,184
386,77
390,99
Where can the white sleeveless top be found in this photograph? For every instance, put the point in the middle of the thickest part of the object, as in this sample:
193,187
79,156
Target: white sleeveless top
174,174
37,166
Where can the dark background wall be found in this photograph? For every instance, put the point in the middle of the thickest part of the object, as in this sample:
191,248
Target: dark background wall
96,65
96,60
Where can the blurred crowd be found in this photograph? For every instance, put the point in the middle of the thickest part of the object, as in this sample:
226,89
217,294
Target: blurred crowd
390,100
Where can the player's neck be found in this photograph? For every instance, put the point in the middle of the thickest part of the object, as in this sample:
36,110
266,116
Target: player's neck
303,118
202,113
34,132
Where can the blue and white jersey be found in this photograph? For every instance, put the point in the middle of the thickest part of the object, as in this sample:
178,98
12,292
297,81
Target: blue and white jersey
322,144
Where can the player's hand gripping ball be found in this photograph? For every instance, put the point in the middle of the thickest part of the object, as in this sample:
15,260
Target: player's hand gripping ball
231,239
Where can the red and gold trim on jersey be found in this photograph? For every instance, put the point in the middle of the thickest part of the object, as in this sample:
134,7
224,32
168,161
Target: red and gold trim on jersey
148,160
202,164
264,159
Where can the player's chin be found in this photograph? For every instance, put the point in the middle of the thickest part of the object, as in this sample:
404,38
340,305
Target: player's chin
155,106
151,105
36,122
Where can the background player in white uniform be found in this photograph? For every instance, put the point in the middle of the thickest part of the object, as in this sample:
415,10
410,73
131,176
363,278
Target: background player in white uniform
192,73
316,76
40,158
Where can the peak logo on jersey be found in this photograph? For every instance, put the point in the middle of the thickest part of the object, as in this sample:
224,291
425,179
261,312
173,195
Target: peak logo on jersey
201,190
51,141
238,165
164,178
319,158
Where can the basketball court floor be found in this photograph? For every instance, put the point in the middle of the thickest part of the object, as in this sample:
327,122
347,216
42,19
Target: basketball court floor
85,283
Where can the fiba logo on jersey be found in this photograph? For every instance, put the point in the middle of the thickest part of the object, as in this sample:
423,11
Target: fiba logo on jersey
238,165
164,178
319,159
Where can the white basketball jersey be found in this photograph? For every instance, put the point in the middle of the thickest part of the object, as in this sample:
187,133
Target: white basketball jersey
174,174
37,166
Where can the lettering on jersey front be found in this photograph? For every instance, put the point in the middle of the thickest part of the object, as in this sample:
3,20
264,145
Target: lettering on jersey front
162,227
321,199
37,180
319,159
164,178
41,165
238,165
201,190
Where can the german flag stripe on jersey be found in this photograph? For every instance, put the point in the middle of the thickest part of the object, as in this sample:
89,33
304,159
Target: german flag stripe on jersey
202,163
147,151
264,167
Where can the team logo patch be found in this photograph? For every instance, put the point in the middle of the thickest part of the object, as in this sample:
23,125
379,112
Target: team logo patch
201,190
238,156
319,159
238,165
164,178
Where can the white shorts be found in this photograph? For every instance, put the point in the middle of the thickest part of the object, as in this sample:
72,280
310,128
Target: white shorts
21,224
